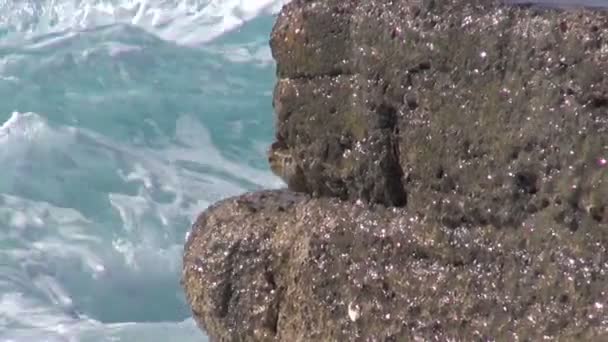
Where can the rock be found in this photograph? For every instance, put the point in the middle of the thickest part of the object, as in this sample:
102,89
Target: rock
280,266
464,109
283,165
448,171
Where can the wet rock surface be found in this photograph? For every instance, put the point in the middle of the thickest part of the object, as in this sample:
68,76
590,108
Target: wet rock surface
280,266
449,163
420,102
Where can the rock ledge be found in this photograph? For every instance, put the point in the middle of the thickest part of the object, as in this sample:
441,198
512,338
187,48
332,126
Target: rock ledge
450,163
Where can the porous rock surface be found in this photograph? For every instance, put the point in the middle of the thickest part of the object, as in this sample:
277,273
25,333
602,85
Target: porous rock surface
454,154
476,112
281,266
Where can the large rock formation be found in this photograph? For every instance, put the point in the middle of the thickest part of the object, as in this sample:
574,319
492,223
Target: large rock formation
461,109
455,154
280,266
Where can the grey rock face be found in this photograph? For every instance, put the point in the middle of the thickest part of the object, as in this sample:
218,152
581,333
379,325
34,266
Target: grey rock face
450,167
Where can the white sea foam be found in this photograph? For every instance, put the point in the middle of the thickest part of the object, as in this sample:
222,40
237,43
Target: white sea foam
92,331
189,22
92,225
71,264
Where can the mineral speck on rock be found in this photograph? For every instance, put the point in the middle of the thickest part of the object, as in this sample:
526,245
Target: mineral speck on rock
354,312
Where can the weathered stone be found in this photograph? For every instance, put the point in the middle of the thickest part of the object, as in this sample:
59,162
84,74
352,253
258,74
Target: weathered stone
451,166
311,39
279,266
311,127
468,102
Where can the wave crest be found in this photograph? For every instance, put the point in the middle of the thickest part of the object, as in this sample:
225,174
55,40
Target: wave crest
187,22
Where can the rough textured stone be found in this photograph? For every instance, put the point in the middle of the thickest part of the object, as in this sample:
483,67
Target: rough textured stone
450,163
483,105
279,266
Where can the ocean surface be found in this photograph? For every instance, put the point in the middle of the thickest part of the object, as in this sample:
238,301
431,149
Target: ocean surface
120,120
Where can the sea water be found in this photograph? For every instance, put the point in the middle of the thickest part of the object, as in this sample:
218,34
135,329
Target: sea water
120,120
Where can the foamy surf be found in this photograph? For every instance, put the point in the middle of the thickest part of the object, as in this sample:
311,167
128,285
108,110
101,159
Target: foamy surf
187,22
63,271
121,121
65,265
91,331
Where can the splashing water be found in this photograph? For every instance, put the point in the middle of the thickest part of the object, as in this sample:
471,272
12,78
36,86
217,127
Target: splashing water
120,122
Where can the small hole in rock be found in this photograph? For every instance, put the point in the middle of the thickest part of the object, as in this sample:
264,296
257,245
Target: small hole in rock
597,213
526,182
440,173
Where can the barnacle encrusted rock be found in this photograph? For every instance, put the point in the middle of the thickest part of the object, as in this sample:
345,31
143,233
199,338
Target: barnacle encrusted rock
449,168
464,109
280,266
283,164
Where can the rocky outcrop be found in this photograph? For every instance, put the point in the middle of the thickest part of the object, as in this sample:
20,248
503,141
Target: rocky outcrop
450,166
279,266
458,108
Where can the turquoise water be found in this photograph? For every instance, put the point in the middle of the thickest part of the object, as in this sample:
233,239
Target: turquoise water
119,122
